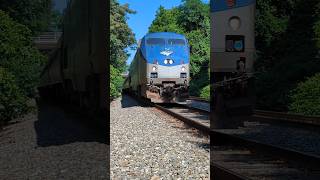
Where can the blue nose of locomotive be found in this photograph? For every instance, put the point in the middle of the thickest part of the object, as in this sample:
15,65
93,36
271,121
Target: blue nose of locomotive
166,49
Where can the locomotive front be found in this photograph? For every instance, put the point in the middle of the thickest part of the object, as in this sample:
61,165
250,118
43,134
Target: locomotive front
233,54
167,57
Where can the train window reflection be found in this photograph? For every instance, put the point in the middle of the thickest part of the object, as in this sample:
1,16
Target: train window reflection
176,42
155,41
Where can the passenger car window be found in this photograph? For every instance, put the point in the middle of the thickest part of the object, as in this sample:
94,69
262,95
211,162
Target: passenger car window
155,41
176,42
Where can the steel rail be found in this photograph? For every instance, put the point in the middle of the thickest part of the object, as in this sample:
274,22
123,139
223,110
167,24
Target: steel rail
190,122
220,139
278,116
285,117
198,99
220,172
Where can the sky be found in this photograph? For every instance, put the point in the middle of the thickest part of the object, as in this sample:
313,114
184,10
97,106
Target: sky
139,22
60,4
145,14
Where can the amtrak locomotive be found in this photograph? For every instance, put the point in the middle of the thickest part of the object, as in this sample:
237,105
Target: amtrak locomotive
76,70
160,69
232,55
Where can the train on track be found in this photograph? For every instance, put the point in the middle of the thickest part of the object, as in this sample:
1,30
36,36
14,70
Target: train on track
77,68
160,68
232,56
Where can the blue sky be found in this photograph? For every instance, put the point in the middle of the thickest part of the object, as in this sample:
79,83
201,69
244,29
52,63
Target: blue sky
60,4
145,14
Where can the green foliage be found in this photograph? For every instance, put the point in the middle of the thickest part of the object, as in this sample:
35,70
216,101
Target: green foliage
12,100
205,92
194,15
306,97
56,20
191,19
121,38
116,82
200,51
316,26
292,26
166,21
18,55
35,14
269,23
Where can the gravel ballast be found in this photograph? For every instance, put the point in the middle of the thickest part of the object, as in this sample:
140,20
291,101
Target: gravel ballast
52,145
148,144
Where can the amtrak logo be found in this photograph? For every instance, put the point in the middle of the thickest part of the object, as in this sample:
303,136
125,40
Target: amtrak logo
231,3
166,52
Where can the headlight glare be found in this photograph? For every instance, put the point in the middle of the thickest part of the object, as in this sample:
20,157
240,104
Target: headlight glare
154,68
183,69
170,61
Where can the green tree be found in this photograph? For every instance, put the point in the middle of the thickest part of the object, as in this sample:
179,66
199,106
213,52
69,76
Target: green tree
316,26
291,27
116,82
305,99
205,92
12,100
166,21
121,38
18,55
35,14
194,15
56,20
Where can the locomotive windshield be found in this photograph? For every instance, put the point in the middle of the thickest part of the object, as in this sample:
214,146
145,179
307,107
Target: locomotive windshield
176,42
155,41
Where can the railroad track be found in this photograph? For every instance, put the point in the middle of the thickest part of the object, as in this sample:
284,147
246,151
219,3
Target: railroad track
234,157
271,116
193,117
285,117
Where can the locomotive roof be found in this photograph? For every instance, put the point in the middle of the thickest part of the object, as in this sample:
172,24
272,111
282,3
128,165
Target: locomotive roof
223,5
165,35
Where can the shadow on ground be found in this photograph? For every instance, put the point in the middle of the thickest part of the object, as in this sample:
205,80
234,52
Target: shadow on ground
56,126
205,146
127,102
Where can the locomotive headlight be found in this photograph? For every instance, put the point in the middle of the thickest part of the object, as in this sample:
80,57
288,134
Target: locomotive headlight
183,69
154,68
166,61
235,23
170,61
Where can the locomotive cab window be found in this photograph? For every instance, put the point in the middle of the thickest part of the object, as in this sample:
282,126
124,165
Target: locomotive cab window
176,42
235,43
155,41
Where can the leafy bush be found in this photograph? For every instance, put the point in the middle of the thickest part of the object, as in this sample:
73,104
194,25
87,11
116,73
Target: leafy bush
12,100
121,36
205,92
20,66
18,55
293,28
306,97
35,14
121,39
116,82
